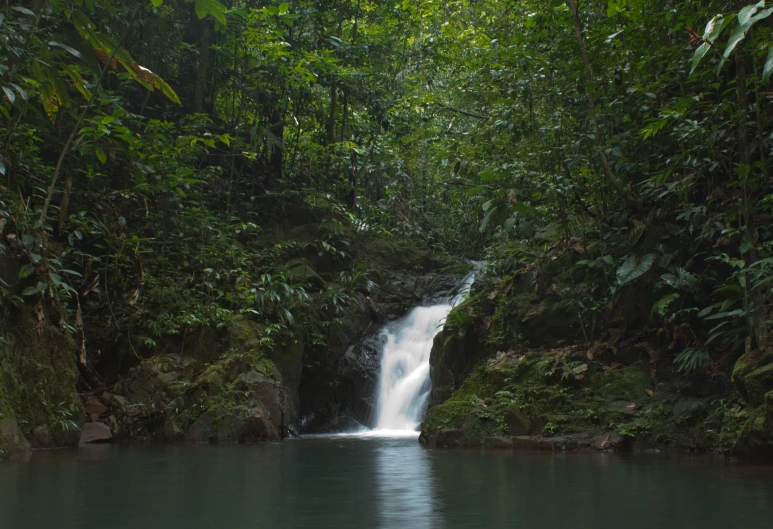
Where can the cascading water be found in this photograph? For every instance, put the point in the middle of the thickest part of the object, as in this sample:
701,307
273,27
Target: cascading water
404,384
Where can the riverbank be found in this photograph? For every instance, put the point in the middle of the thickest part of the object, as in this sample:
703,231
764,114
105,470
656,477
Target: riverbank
513,369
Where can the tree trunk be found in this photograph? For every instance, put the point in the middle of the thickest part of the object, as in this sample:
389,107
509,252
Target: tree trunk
204,60
755,305
331,119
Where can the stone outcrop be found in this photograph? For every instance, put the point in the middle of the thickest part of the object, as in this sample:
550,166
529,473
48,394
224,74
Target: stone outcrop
39,406
240,398
753,378
95,432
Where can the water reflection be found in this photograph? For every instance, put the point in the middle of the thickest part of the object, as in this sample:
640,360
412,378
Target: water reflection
406,490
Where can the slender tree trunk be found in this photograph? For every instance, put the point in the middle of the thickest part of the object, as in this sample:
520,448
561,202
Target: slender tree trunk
345,112
632,201
331,119
65,204
755,306
201,74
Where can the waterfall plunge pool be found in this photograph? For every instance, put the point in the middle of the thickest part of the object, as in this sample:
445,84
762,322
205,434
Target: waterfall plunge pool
341,483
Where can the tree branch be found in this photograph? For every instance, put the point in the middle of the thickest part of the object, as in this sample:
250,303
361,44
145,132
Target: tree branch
463,112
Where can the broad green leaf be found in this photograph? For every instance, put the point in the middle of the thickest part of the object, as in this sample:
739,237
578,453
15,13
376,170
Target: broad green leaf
284,7
663,303
69,49
31,291
768,69
762,15
738,35
210,7
705,312
721,64
101,156
26,271
698,55
486,220
487,205
745,14
9,94
475,191
524,209
24,10
21,91
106,47
632,268
714,27
509,224
682,279
156,3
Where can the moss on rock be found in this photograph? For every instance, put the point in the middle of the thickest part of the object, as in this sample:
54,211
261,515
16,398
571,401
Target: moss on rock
37,382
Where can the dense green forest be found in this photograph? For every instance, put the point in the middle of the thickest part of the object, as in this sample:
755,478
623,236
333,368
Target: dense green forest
238,179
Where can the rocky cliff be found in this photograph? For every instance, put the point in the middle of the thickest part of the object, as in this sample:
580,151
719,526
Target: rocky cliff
513,369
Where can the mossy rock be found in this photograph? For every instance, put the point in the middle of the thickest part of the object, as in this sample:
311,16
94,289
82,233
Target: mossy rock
37,380
757,383
300,270
467,412
755,442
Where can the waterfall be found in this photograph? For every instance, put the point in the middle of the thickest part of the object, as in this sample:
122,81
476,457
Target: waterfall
404,384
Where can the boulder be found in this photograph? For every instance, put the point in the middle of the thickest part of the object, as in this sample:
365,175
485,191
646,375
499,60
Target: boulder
95,432
172,433
41,437
753,376
518,423
449,437
94,407
202,430
12,443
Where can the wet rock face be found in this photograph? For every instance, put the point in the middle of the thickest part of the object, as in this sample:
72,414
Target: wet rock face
341,394
240,398
351,400
453,357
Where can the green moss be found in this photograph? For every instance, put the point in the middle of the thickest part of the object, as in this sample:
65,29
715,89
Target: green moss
623,384
38,376
469,409
503,327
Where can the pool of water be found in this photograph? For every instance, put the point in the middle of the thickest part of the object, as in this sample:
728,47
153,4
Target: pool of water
376,482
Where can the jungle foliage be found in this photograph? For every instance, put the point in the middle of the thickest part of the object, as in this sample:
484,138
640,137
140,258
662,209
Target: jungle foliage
156,153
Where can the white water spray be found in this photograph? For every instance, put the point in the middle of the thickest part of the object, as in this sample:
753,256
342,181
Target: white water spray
404,385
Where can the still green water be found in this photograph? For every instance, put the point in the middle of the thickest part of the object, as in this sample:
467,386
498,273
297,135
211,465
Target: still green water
339,483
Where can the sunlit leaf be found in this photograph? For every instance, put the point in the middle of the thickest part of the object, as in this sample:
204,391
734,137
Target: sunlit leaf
768,69
698,55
